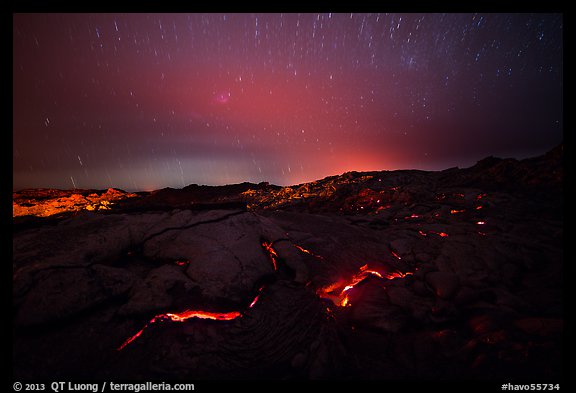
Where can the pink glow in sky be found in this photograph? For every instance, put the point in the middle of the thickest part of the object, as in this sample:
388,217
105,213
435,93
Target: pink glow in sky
145,101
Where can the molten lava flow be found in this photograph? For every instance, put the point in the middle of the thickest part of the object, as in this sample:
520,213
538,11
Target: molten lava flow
181,317
342,298
395,255
271,253
217,316
182,263
380,208
254,301
185,315
478,207
134,337
394,275
441,234
411,216
454,211
256,298
422,233
308,252
480,222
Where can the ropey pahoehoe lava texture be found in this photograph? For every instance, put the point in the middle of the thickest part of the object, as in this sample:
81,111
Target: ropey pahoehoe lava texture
373,275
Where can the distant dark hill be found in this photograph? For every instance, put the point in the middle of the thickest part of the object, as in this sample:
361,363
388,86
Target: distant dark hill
511,174
195,197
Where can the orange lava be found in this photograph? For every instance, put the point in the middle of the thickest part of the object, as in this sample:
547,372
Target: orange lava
341,299
188,314
217,316
271,253
254,301
454,211
394,275
308,252
256,298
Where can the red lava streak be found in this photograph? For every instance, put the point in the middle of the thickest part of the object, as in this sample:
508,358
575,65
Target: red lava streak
185,315
308,252
256,298
218,316
271,252
254,301
342,299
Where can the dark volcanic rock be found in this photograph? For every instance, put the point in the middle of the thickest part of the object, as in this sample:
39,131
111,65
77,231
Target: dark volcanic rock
62,293
286,333
445,285
154,293
227,259
374,275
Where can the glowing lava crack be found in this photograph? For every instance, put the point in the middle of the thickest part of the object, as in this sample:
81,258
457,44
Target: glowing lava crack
342,299
185,315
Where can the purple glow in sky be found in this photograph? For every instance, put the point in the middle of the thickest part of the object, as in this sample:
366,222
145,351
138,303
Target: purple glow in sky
145,101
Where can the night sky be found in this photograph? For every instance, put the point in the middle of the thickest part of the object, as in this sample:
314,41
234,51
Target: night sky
146,101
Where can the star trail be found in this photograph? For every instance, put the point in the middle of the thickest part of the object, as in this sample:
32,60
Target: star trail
145,101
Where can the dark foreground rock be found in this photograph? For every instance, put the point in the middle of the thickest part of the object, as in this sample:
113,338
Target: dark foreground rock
381,275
